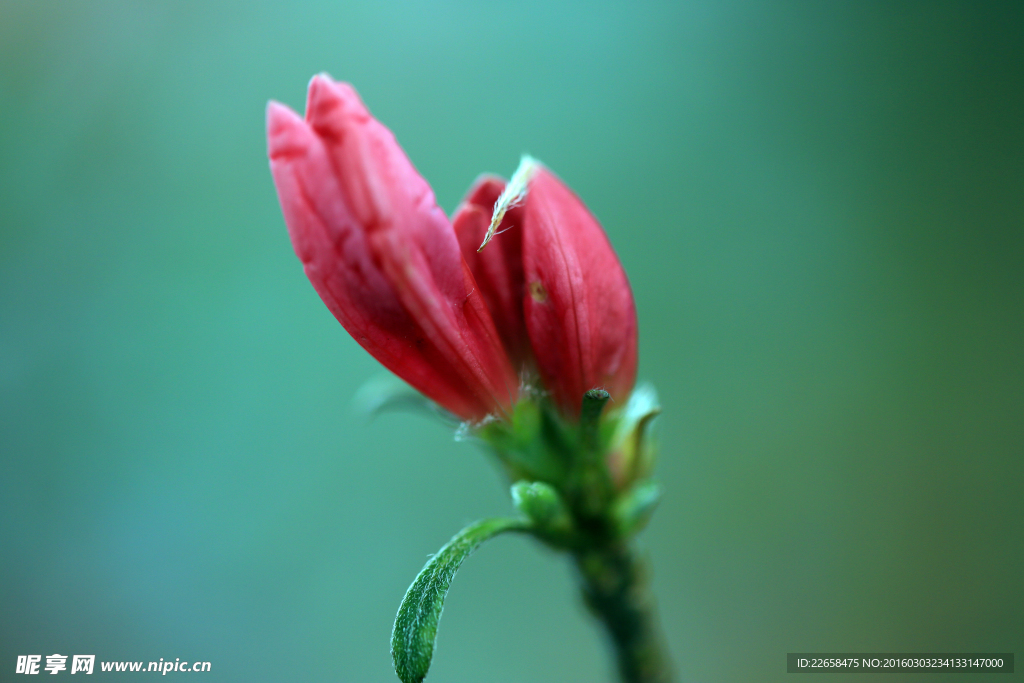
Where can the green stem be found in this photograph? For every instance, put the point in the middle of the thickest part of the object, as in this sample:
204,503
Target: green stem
614,586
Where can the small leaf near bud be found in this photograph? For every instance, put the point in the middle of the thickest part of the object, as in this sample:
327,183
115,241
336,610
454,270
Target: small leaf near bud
633,509
386,392
542,505
632,451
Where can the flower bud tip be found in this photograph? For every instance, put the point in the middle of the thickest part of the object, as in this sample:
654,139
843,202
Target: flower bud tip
513,194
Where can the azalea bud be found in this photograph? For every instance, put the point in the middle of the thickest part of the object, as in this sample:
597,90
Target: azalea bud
381,254
579,309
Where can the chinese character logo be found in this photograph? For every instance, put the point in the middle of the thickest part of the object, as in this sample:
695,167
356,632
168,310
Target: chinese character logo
82,663
55,663
28,664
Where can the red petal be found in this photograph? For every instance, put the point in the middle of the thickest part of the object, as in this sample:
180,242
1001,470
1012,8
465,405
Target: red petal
381,254
498,269
579,308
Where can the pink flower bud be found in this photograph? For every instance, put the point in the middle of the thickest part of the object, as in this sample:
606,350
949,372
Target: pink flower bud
578,306
382,255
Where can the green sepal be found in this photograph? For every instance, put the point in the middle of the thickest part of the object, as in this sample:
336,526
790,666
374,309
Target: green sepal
415,631
590,417
534,444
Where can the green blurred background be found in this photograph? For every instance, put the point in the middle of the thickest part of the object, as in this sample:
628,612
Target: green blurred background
821,209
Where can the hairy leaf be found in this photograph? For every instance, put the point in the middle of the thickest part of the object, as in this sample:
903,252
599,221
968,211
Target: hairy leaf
412,641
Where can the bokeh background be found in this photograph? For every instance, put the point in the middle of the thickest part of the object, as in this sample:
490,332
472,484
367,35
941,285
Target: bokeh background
821,209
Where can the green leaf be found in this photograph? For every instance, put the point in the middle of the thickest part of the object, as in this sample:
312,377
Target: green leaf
386,393
412,641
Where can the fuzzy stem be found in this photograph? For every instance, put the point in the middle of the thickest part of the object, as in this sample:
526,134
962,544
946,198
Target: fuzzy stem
614,585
